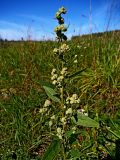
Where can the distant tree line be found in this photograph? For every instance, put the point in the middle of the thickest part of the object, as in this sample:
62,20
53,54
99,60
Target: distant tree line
6,40
95,35
99,34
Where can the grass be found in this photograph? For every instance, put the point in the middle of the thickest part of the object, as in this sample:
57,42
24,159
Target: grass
25,65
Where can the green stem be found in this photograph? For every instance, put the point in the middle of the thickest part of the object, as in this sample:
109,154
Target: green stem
63,149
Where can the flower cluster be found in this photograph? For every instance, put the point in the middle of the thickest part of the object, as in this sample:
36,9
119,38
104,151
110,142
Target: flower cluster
64,71
60,132
62,10
51,120
54,76
69,111
45,106
64,120
60,19
62,49
73,99
82,111
58,80
61,28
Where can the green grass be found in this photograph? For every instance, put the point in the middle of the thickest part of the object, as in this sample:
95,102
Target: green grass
23,65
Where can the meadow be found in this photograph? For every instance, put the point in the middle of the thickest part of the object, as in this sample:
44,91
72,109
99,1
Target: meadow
94,74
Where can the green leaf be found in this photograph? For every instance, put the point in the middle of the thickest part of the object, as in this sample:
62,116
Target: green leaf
73,119
51,93
68,133
49,90
86,121
76,73
52,150
116,133
75,153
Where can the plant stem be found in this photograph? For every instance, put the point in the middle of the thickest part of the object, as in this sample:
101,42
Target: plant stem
63,149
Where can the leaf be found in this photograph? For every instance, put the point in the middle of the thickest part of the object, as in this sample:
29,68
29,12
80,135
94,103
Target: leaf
73,119
116,133
51,93
68,133
115,129
75,153
76,73
86,121
52,150
49,90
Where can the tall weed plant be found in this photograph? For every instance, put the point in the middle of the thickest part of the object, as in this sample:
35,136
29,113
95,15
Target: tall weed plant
65,118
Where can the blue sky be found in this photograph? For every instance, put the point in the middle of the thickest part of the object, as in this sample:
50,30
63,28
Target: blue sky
36,17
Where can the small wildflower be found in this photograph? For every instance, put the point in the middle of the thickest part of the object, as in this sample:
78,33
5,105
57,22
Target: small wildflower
50,123
86,114
60,79
59,136
82,111
64,48
54,82
42,110
78,100
63,120
53,117
47,103
64,107
62,10
54,77
53,71
56,51
75,61
59,84
64,71
74,99
67,100
69,111
78,47
60,28
75,96
59,130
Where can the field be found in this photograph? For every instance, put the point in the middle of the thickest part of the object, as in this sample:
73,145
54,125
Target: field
25,68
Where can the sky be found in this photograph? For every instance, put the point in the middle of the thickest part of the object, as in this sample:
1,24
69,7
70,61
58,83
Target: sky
36,18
